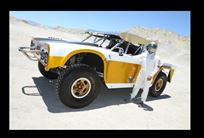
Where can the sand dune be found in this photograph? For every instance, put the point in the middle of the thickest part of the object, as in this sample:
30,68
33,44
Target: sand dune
108,111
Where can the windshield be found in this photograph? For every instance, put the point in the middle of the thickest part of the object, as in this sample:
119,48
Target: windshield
101,40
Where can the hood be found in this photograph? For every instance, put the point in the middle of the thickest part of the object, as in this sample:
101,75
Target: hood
60,47
59,40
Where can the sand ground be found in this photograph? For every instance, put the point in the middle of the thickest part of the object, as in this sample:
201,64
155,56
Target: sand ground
34,104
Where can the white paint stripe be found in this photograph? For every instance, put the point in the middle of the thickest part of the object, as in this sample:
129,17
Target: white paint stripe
119,85
114,56
63,49
124,61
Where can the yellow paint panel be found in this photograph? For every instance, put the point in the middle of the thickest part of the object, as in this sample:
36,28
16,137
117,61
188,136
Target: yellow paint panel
114,71
54,61
119,72
171,74
57,61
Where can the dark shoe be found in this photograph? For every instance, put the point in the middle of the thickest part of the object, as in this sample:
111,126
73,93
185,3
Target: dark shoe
138,98
140,104
128,100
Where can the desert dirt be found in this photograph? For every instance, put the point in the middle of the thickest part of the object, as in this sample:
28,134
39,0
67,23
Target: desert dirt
33,103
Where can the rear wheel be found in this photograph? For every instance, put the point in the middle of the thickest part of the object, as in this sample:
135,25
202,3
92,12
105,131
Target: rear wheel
47,74
159,85
78,86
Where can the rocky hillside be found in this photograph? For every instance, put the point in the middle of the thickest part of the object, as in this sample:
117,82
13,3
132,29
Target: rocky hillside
171,45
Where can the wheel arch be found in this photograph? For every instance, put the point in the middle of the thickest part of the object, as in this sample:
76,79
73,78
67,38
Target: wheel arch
169,75
88,52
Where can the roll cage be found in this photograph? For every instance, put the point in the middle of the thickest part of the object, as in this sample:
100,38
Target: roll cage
113,42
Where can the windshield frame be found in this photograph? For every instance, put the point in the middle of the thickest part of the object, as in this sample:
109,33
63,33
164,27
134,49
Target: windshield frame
99,39
96,37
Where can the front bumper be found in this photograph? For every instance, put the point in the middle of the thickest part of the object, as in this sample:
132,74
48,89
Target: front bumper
32,54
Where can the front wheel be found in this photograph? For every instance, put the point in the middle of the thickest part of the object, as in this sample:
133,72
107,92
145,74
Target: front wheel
78,86
47,74
159,85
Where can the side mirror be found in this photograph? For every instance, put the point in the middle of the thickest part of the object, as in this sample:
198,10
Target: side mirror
120,51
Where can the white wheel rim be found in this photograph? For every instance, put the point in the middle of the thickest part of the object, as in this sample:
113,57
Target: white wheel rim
80,88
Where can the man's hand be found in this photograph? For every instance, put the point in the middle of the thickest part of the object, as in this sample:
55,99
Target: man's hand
149,78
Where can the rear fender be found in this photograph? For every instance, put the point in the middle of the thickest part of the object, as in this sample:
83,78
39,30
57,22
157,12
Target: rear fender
168,69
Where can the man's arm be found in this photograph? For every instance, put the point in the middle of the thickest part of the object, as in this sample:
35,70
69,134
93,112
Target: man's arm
156,67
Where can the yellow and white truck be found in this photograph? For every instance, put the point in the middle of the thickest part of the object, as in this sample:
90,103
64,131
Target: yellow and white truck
80,66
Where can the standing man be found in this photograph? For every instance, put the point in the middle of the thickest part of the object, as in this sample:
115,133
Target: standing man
150,65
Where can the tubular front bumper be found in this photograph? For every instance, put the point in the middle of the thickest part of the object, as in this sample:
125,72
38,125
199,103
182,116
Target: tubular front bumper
30,53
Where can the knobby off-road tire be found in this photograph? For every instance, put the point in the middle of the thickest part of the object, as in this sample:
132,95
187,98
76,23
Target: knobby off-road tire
159,85
78,85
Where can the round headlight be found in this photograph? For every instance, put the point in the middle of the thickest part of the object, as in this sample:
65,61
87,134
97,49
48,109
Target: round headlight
33,43
44,53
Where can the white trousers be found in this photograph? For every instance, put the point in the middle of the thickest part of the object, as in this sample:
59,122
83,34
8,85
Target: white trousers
144,84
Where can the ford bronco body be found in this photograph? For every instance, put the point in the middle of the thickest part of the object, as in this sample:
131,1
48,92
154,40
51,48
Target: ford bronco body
80,66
